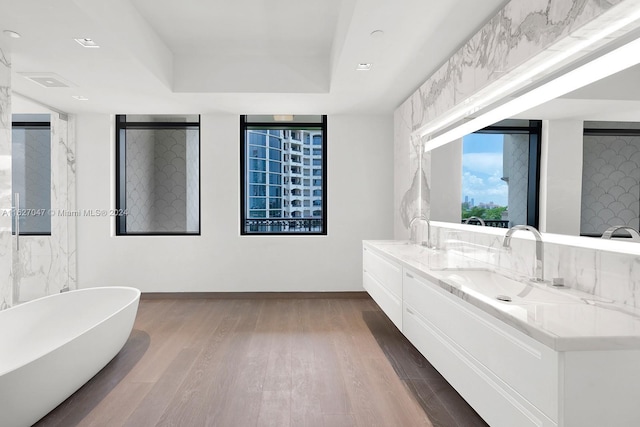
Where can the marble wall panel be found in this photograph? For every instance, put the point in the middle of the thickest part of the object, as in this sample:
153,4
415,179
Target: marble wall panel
6,241
69,147
521,35
609,275
45,265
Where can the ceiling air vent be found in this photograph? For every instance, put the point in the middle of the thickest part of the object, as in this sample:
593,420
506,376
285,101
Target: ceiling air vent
47,80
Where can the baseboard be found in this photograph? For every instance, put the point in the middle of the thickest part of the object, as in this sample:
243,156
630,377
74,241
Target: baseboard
255,295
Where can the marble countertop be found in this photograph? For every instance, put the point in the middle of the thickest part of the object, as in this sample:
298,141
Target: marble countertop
563,319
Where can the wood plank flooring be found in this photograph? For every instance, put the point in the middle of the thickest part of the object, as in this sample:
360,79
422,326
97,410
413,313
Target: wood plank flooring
265,362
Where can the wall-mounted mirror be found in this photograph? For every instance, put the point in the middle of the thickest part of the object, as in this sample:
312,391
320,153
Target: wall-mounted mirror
592,141
589,166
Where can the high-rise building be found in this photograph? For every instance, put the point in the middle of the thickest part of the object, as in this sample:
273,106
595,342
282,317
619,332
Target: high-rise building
285,174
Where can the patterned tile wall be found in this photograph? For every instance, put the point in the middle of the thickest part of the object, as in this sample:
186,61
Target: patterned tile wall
193,181
140,182
35,178
170,181
610,183
162,180
518,161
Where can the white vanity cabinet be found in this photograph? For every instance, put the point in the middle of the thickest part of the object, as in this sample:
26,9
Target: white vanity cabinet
382,279
508,377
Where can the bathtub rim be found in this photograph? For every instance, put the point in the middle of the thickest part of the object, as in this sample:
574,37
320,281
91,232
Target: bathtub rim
134,300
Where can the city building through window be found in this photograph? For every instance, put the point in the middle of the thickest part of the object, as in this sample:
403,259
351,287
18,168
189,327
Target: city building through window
275,156
500,174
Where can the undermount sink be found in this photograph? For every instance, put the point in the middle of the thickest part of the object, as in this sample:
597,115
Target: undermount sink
504,289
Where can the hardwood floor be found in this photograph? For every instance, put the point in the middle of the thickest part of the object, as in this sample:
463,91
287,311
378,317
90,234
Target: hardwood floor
265,362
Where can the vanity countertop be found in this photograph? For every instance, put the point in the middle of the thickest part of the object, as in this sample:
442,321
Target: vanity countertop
563,319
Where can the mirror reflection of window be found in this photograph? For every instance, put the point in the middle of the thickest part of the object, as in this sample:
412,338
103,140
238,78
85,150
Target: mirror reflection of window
496,174
610,177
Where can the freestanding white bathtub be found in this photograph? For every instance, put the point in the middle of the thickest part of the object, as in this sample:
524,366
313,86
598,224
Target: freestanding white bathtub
51,346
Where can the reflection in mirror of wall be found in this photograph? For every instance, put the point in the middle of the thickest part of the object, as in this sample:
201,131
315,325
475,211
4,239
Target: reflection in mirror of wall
613,98
499,174
610,177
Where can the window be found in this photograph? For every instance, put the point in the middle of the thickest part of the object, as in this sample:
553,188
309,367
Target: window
31,172
500,170
158,174
284,198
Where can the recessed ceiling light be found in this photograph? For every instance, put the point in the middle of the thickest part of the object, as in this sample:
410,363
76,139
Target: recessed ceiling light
85,42
283,118
363,66
12,34
80,98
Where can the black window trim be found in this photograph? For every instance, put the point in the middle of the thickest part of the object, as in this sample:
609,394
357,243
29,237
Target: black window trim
244,126
47,125
121,173
535,147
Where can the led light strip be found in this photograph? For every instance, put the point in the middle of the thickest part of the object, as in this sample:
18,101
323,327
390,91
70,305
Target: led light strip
604,66
476,103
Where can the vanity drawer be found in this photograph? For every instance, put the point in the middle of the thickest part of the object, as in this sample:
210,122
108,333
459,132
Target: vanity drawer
387,272
390,303
529,367
485,392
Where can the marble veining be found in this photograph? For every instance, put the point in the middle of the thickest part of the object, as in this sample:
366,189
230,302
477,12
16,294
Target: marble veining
45,265
6,280
522,31
520,36
609,275
562,319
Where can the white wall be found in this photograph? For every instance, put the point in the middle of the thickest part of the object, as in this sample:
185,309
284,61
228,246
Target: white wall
561,176
446,182
360,206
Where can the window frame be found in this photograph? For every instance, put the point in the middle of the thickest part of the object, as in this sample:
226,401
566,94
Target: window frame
38,125
121,173
534,130
246,125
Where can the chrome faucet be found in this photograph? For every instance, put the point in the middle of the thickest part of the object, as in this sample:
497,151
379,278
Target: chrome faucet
635,236
414,237
539,247
480,220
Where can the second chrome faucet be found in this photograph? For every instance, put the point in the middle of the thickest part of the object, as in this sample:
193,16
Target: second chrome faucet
416,236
